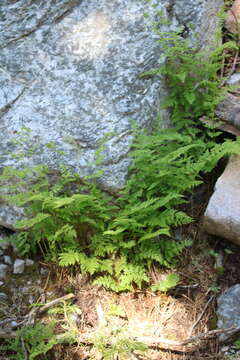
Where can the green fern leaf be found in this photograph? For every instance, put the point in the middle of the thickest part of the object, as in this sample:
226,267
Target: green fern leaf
170,281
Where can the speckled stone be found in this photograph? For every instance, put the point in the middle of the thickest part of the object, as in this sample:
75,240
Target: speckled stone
3,296
7,259
234,79
222,216
29,262
4,245
70,77
228,310
18,266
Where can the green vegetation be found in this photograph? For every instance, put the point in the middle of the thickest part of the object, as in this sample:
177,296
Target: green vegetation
194,88
116,241
31,341
119,346
168,283
36,341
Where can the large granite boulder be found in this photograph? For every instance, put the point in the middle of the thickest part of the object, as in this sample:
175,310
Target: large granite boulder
69,75
222,216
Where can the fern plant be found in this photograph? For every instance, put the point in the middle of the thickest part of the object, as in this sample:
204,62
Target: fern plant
191,75
30,342
116,240
116,346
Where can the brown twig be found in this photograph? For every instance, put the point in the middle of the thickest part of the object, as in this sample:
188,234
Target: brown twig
233,68
202,336
4,334
185,346
30,318
54,302
201,315
169,344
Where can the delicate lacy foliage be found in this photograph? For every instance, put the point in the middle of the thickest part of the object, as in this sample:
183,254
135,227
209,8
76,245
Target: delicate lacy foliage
116,345
30,342
117,240
191,75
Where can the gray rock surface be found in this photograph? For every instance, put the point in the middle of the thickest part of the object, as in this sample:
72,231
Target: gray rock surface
7,259
222,216
18,266
4,245
44,271
234,79
229,110
228,310
29,262
9,215
3,297
69,75
3,271
200,18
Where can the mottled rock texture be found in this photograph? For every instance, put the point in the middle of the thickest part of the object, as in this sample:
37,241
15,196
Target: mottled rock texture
9,215
234,79
229,110
222,216
69,75
18,266
228,311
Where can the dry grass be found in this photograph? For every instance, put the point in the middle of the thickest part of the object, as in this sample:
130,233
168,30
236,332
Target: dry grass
187,310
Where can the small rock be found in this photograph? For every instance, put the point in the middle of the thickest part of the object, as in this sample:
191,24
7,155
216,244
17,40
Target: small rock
1,283
15,250
222,216
14,324
9,215
234,79
7,259
31,299
225,349
219,260
3,296
4,245
29,262
44,271
18,267
3,271
228,310
229,110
